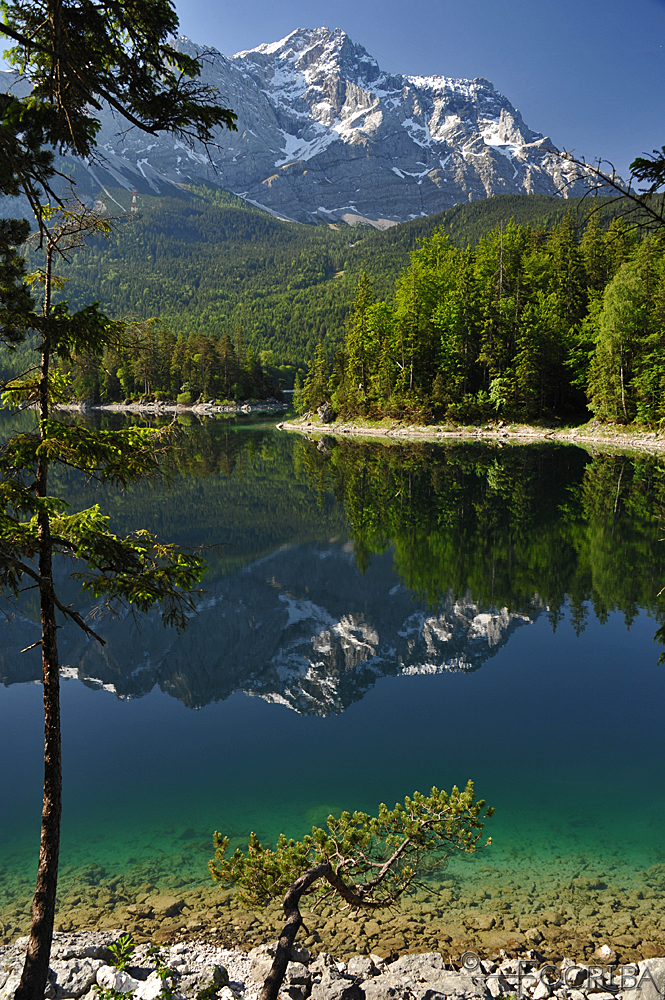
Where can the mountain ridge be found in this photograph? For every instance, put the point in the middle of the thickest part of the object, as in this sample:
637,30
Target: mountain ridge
325,135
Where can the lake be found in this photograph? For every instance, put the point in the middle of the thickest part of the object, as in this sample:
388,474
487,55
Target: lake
376,619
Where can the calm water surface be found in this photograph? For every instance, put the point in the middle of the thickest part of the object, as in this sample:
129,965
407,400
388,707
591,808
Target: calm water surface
381,619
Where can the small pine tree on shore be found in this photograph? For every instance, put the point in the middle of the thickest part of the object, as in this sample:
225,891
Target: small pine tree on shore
359,862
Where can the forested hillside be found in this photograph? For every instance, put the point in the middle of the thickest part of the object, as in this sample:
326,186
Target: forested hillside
209,263
525,324
244,300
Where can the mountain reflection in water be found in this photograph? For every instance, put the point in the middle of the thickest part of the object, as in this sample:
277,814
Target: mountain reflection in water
450,550
316,647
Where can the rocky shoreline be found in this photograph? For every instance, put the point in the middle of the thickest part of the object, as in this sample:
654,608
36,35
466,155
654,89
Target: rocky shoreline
161,408
81,964
604,436
562,908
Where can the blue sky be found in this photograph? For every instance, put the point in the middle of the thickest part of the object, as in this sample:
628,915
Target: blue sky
589,74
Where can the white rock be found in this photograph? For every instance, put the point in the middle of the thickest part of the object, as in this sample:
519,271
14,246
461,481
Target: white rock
651,979
151,988
115,979
75,976
9,989
542,991
498,985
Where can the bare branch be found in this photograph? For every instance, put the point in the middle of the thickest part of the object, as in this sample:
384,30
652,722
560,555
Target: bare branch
76,617
641,202
33,646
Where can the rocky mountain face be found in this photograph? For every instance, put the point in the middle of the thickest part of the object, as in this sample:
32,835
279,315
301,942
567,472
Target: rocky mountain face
324,134
302,628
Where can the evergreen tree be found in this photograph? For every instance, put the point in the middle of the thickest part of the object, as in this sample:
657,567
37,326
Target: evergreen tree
315,390
595,255
137,571
299,403
648,381
383,371
500,280
620,325
177,366
620,241
567,276
455,319
228,366
359,861
75,54
359,347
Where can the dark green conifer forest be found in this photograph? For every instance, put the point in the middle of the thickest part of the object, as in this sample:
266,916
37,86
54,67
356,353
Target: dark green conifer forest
527,324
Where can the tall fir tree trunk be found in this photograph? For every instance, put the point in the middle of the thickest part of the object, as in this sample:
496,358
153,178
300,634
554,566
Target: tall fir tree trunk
35,969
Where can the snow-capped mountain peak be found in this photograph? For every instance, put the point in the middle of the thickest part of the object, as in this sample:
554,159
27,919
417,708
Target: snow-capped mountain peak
325,134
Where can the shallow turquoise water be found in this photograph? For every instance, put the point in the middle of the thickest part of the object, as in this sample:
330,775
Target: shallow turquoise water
305,687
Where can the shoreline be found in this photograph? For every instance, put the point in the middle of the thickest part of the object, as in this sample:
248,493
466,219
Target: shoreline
572,918
82,962
606,436
201,409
